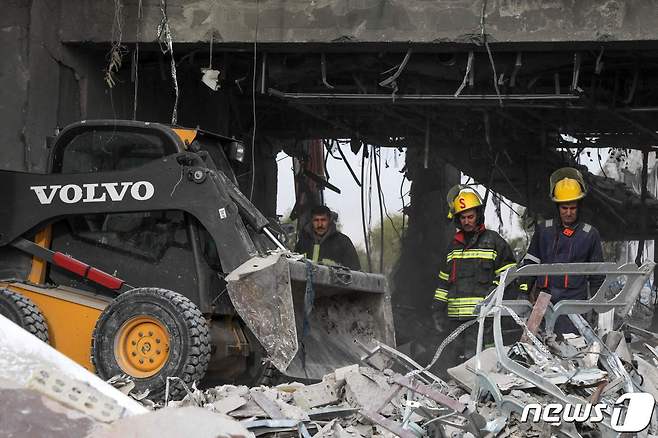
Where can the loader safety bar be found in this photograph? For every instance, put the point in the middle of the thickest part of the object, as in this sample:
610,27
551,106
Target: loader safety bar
70,264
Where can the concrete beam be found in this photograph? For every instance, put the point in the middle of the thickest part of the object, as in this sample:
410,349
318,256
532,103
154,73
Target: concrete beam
378,21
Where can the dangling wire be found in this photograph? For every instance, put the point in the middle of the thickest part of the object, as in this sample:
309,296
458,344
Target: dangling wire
381,194
167,46
377,157
369,191
486,45
253,106
136,58
115,55
363,208
402,200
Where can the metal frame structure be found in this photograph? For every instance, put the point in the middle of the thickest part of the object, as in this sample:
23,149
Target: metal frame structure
494,306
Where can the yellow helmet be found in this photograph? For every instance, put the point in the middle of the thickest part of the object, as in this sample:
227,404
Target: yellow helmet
567,185
462,198
567,190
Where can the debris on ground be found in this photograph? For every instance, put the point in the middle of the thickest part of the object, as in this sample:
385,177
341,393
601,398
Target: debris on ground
389,394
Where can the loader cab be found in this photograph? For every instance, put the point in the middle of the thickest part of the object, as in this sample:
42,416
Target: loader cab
158,248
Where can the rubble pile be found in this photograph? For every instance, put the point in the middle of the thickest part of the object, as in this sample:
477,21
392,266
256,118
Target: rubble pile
598,382
409,401
485,396
354,401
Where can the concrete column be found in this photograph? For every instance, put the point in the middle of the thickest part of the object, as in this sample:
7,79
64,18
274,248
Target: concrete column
423,245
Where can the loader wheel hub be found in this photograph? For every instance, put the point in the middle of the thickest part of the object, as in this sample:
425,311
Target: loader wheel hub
142,346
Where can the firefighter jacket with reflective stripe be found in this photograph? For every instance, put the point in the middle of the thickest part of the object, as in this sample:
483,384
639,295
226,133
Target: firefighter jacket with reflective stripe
472,267
554,243
334,248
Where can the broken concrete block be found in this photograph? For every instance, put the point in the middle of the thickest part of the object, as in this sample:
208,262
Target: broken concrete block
228,404
464,374
26,412
267,404
249,409
363,392
577,341
293,412
340,373
223,391
376,376
320,394
171,423
341,432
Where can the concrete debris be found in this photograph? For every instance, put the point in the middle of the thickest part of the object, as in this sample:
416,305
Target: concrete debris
174,423
228,404
320,394
487,398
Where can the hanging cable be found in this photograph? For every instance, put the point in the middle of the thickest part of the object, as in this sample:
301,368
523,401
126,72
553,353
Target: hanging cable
253,107
347,163
167,46
117,50
363,209
598,153
326,158
486,45
329,144
138,34
402,199
382,198
381,210
368,184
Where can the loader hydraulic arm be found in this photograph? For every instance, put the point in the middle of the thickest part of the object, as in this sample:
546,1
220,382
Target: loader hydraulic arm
176,182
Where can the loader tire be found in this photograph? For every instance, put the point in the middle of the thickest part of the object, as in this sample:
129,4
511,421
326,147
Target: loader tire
152,334
259,370
22,311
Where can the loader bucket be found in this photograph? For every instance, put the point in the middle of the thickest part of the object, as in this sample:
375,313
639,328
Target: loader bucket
309,318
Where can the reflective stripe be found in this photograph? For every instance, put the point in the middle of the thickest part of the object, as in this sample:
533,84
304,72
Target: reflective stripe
503,268
316,252
486,254
441,294
463,306
496,282
444,276
465,300
523,287
470,311
532,258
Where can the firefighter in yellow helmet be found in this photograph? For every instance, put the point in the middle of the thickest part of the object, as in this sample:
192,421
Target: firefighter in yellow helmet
565,239
474,261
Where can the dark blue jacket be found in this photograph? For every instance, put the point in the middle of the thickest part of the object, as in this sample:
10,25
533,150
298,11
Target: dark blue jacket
554,243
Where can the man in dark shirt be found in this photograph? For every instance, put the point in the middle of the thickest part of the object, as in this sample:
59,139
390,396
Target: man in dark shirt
321,242
565,239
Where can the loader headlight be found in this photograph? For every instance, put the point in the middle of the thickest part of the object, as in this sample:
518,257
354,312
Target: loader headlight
236,151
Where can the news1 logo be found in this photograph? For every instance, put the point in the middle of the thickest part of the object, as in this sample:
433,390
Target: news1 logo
634,417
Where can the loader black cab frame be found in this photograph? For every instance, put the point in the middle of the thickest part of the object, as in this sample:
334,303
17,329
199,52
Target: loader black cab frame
166,249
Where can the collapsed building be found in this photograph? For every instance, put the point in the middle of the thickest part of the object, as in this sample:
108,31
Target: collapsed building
503,91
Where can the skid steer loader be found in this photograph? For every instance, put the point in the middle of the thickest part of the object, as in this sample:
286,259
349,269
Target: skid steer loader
136,253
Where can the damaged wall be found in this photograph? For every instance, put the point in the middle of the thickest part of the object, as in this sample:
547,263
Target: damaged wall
302,21
29,78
